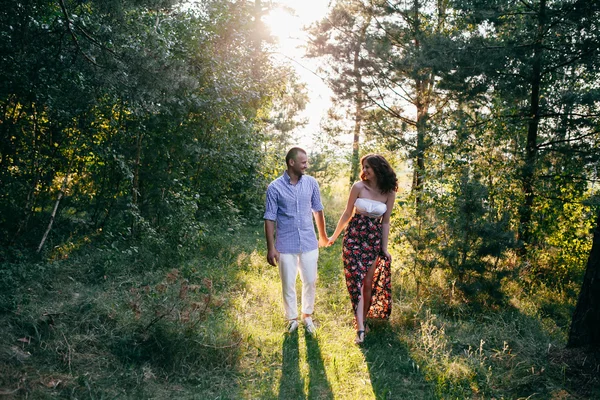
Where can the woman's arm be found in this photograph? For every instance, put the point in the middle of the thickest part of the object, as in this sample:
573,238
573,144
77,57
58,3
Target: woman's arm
385,224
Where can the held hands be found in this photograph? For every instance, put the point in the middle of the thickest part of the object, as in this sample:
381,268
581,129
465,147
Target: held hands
323,241
330,241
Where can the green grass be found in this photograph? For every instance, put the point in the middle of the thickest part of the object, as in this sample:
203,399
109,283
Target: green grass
276,365
100,326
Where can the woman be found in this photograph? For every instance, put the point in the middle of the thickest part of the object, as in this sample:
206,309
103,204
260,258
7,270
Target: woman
365,253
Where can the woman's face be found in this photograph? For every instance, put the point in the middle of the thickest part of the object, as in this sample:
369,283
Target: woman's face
367,171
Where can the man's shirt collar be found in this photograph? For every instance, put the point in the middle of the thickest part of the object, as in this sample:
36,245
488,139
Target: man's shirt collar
288,178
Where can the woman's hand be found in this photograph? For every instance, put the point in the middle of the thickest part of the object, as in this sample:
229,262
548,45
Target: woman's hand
331,240
387,255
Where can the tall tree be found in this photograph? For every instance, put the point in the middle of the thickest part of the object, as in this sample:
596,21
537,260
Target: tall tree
585,325
340,41
409,49
131,114
536,60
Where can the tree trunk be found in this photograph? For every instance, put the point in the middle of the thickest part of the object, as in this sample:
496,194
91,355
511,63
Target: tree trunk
419,167
531,150
356,139
53,215
258,38
422,101
34,172
135,184
585,325
359,102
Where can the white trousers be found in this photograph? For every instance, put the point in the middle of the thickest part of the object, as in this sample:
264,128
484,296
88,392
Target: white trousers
289,265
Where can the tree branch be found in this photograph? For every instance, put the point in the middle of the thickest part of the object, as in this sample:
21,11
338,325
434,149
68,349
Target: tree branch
541,145
69,28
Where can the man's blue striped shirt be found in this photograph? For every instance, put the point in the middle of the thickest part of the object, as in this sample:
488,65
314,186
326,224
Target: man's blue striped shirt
291,207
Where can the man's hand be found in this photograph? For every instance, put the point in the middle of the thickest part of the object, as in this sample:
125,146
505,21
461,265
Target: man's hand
320,219
273,257
323,241
272,253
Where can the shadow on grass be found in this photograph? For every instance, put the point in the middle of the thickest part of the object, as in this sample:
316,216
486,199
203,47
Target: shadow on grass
393,373
318,384
291,385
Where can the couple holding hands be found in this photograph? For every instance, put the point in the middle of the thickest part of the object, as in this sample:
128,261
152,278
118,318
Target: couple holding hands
292,201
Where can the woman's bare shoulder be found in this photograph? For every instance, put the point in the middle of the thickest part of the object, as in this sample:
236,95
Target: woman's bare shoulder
358,185
391,197
357,188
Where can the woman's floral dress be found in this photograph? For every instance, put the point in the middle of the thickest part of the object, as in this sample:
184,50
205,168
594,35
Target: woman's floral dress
362,246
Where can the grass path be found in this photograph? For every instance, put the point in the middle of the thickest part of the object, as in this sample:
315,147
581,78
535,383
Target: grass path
101,325
276,365
208,328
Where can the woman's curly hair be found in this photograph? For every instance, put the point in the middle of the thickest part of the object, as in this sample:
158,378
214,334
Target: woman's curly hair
386,177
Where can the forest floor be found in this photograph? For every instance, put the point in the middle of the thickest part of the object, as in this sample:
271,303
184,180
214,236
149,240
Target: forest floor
212,328
275,364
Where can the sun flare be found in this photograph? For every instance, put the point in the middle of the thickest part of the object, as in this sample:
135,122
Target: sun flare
282,22
287,21
286,27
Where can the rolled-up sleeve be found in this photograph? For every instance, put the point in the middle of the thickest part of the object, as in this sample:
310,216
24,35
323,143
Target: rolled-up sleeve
290,207
271,206
315,199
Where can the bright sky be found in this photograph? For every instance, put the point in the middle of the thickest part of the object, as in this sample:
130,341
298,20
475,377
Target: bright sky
287,27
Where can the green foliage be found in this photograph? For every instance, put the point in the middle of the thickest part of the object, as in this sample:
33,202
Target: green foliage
143,117
560,260
535,91
211,326
161,325
153,131
462,234
471,231
126,331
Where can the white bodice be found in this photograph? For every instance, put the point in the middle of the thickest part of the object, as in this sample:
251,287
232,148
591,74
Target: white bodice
370,208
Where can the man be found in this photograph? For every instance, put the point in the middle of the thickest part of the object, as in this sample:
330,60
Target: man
292,201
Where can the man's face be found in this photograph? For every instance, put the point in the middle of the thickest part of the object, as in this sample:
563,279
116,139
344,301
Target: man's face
299,164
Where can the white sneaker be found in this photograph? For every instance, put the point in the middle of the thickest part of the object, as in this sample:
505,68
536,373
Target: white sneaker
292,325
309,326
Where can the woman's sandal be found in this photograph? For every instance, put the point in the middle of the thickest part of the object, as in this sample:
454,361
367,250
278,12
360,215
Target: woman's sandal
360,337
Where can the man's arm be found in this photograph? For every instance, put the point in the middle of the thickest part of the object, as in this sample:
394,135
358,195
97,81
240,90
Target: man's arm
315,202
272,253
320,219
